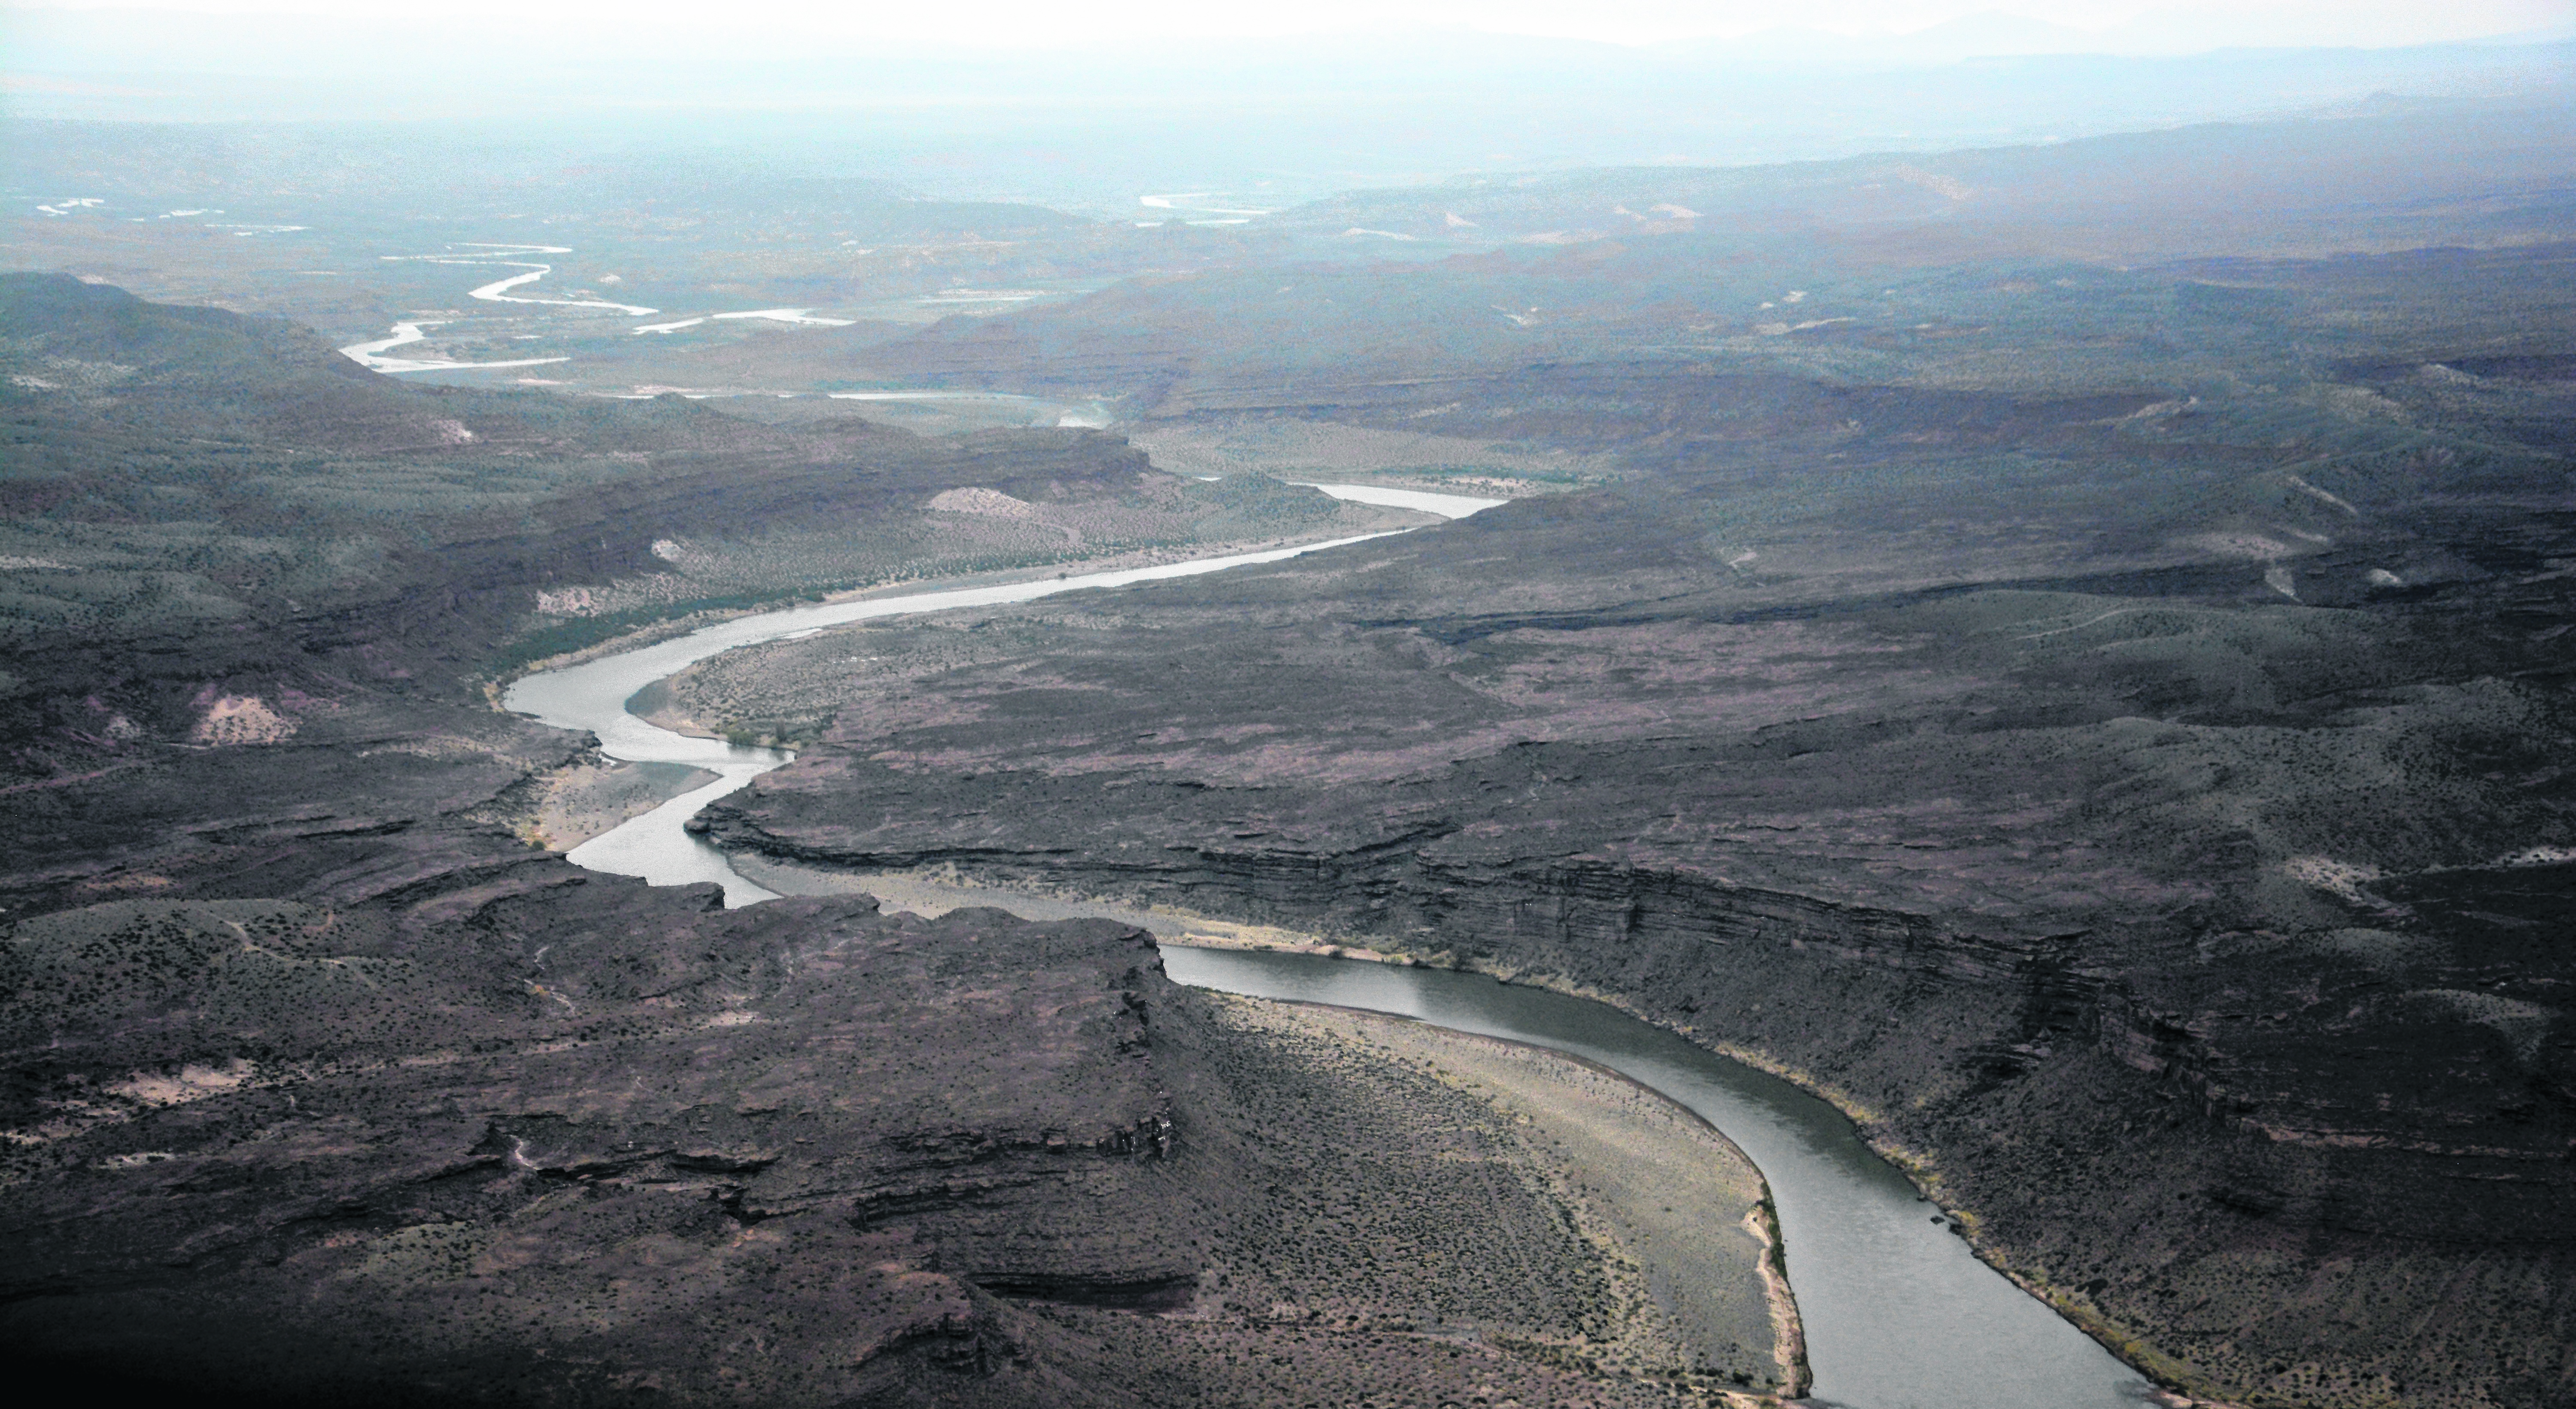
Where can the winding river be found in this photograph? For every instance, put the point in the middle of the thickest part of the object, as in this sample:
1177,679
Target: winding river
1898,1313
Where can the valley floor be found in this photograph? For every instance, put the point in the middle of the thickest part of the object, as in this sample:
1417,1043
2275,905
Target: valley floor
1355,1276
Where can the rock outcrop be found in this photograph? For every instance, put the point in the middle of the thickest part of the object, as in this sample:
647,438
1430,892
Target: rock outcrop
319,1082
561,1139
2200,945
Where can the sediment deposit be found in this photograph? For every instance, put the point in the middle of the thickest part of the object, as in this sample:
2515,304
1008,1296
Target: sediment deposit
2195,942
326,1080
565,1138
2061,650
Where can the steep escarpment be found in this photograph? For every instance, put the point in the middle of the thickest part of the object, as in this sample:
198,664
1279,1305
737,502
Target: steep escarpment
175,470
2240,1094
249,591
321,1082
2163,850
542,1138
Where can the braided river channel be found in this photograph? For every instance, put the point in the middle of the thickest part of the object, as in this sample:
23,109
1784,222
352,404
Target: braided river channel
1898,1313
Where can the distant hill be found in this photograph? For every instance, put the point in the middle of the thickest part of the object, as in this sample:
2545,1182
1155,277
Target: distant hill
2369,178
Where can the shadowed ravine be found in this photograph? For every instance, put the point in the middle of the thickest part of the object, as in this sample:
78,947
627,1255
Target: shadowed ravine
1898,1313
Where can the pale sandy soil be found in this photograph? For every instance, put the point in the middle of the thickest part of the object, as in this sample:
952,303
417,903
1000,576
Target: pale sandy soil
1675,1210
1678,1214
587,799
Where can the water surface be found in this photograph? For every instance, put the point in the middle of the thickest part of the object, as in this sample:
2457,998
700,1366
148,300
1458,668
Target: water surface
1899,1314
1447,506
593,696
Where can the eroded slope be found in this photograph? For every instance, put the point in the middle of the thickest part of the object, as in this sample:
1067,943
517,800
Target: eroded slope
2147,814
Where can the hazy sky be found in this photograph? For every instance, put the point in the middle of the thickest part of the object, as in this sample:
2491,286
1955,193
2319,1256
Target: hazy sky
2189,24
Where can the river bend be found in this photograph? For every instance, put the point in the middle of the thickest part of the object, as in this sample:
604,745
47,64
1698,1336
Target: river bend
1898,1313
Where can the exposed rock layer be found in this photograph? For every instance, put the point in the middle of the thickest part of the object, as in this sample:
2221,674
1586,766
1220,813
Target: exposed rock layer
2199,943
321,1085
570,1140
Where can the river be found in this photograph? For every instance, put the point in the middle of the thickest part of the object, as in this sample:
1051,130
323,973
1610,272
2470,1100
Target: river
1898,1313
370,355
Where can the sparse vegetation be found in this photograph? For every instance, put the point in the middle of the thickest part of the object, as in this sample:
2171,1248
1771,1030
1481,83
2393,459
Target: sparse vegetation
2062,649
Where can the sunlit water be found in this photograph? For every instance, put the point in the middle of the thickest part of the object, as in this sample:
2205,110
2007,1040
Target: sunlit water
1898,1313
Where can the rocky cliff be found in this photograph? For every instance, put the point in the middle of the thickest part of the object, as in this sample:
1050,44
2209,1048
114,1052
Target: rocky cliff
544,1138
320,1082
2187,917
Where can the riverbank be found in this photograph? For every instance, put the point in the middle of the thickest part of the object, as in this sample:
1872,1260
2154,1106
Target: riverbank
1136,560
1463,1193
1907,1310
778,695
662,845
1681,1216
1904,1305
1684,1219
932,892
591,798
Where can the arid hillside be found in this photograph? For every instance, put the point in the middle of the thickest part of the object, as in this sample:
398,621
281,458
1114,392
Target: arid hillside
2138,793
